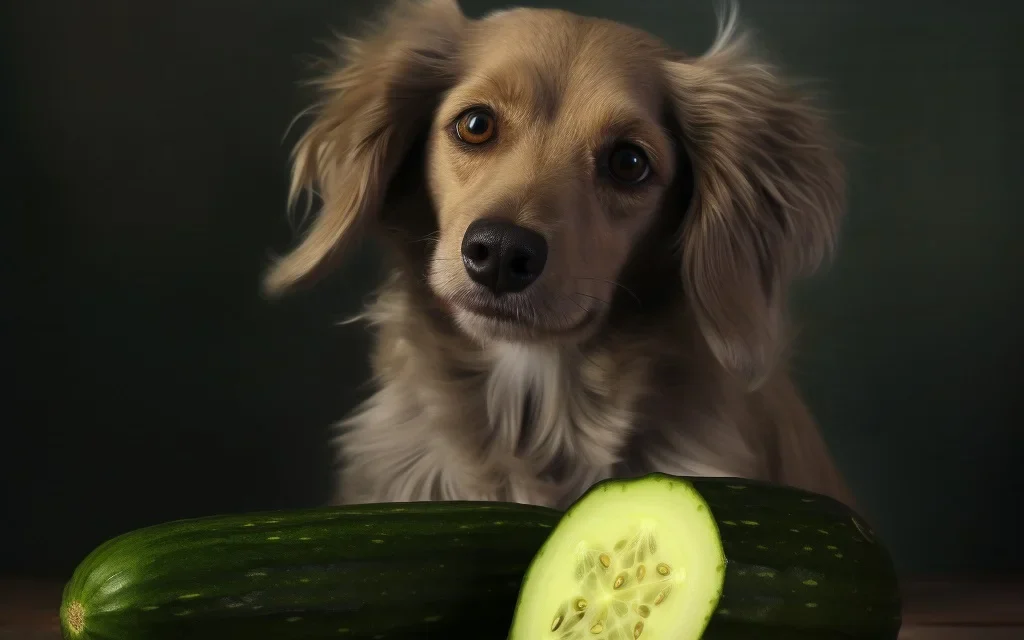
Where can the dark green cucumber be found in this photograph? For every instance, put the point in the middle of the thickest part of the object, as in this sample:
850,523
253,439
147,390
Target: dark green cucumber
666,558
410,570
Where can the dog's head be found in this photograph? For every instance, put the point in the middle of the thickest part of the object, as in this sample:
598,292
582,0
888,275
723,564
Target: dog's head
559,151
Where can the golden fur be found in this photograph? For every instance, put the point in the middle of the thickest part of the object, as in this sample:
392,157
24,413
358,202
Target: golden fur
655,338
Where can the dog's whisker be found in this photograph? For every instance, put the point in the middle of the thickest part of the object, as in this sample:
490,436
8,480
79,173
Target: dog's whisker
564,319
616,284
433,235
444,285
582,308
545,300
594,298
450,282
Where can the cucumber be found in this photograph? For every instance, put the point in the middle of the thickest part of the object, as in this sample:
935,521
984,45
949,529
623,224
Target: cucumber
419,570
666,558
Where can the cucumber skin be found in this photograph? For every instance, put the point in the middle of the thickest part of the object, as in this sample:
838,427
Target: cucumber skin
786,548
341,586
789,549
401,570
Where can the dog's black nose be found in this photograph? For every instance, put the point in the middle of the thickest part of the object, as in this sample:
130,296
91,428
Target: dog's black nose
503,256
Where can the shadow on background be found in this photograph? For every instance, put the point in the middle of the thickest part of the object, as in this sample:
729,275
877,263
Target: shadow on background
145,187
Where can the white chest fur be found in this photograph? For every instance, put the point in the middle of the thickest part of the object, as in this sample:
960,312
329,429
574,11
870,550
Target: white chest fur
543,417
550,430
525,395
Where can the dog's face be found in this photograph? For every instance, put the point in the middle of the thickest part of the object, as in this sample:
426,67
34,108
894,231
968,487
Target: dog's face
555,143
547,161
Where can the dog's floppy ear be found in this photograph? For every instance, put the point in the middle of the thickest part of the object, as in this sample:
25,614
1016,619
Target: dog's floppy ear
768,195
374,105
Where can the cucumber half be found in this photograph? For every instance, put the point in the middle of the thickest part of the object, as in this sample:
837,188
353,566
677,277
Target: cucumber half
629,560
668,558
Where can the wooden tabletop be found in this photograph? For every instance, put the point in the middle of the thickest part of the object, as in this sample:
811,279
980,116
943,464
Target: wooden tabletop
934,610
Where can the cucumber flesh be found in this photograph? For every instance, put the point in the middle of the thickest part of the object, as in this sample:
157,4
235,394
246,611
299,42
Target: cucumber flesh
629,561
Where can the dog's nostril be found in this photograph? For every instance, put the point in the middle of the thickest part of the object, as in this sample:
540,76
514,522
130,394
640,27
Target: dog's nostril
520,266
477,252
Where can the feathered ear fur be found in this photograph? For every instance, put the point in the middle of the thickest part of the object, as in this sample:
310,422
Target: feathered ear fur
768,195
374,106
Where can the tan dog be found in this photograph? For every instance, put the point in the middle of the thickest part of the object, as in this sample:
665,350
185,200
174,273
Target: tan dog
593,237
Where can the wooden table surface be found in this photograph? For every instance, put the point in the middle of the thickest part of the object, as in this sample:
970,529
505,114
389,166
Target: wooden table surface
934,610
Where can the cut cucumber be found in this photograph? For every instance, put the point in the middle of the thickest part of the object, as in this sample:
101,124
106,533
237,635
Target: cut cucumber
666,558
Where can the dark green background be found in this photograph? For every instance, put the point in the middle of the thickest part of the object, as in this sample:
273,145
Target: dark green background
144,187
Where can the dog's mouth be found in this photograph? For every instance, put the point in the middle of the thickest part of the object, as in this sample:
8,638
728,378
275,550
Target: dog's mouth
494,313
504,319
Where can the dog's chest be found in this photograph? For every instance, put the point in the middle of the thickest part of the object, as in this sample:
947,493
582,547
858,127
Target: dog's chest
541,411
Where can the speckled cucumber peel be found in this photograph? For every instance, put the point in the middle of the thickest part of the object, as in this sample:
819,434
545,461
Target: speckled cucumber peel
653,558
395,571
668,558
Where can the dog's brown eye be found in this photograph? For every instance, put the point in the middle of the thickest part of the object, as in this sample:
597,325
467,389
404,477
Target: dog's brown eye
628,164
475,127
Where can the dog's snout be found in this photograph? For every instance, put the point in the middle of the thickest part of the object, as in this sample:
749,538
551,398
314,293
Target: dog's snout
503,256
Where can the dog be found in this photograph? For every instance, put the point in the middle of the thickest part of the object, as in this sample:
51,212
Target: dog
590,239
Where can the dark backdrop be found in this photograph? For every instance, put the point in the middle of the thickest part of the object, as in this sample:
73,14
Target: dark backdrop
144,187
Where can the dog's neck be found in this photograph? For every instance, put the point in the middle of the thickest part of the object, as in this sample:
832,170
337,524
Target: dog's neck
555,423
521,394
526,396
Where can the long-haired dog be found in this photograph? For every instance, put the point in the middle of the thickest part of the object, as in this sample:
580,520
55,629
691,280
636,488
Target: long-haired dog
593,236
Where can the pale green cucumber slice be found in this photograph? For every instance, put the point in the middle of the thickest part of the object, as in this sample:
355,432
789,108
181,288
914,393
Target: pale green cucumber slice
631,560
